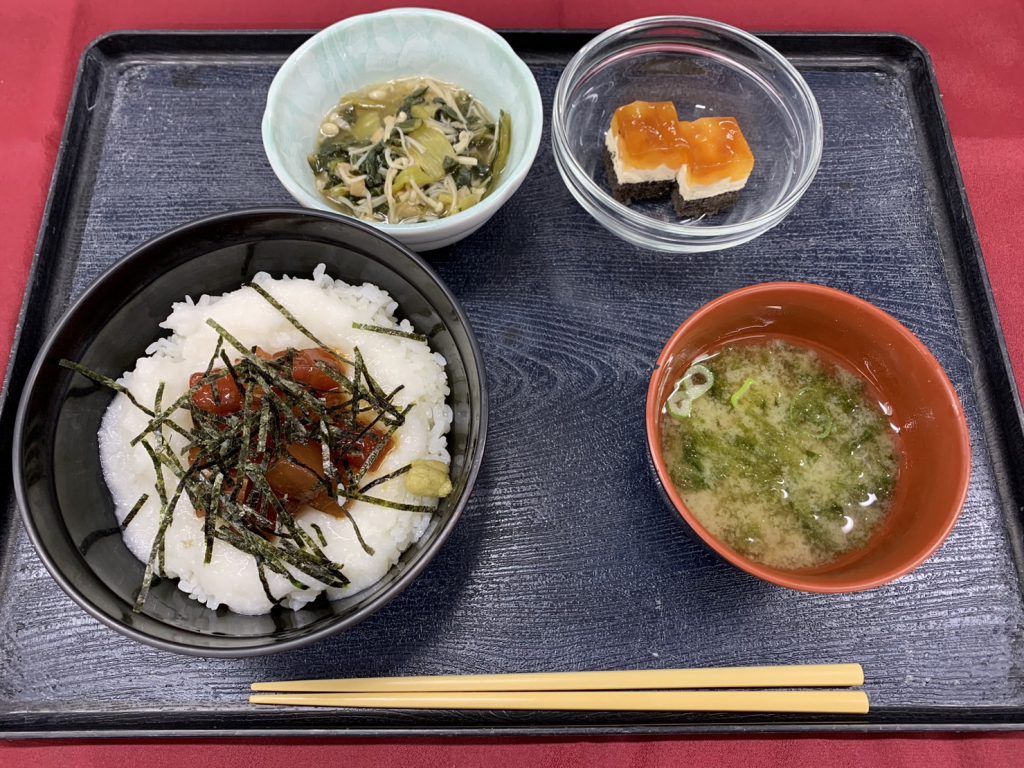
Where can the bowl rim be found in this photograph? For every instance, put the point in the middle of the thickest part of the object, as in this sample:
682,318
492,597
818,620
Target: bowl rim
797,580
634,218
330,626
510,179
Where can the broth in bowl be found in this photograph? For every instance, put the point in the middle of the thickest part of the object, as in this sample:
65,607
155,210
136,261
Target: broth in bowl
779,453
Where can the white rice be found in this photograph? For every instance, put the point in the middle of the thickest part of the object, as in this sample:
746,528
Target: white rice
328,308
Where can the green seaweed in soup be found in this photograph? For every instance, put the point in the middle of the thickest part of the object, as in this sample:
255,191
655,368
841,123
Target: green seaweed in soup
785,459
409,150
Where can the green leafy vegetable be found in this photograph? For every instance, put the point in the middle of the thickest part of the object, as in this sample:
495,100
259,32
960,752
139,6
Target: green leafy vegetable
409,151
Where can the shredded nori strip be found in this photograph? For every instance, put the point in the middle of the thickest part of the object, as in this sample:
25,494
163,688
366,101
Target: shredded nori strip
161,489
269,374
247,424
106,381
378,449
95,536
383,401
156,554
147,582
210,518
166,517
375,395
289,317
134,511
356,496
164,417
359,535
260,569
319,534
390,331
261,438
330,471
384,478
229,366
157,401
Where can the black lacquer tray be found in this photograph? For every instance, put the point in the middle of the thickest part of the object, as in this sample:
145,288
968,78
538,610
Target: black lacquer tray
565,557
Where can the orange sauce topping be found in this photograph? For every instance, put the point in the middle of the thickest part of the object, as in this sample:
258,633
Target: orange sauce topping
651,135
718,150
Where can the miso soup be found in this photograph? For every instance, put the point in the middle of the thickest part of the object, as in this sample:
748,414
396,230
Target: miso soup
784,457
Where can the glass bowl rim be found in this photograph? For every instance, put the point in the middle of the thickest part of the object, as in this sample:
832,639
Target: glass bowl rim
636,220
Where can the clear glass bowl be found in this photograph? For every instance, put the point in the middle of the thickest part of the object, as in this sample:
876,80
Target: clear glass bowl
706,69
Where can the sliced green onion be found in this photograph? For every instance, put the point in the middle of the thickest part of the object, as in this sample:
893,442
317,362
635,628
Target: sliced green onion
696,389
679,404
739,393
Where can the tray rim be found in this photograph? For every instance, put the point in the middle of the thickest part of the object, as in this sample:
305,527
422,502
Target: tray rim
958,210
532,732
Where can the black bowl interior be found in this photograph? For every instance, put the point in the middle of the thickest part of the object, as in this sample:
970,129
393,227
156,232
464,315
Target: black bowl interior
60,485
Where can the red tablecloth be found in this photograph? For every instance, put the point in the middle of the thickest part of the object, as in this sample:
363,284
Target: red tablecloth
978,48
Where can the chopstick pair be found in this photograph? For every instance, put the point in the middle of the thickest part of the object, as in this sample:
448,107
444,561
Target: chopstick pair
663,690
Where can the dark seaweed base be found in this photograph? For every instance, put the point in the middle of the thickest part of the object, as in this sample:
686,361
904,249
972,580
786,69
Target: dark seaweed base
628,194
708,206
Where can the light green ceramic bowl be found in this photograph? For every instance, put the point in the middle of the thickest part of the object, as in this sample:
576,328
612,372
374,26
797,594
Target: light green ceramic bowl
377,47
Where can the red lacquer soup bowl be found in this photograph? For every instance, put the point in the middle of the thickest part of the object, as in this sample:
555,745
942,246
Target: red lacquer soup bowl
933,441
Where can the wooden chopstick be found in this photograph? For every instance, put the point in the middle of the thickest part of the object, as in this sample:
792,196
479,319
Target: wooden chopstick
795,676
819,702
